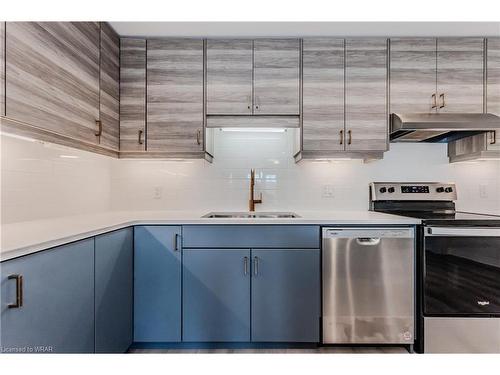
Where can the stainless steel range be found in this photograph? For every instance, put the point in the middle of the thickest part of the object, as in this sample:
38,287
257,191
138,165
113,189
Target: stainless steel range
458,267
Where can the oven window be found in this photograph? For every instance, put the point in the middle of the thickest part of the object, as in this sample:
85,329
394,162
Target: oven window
462,275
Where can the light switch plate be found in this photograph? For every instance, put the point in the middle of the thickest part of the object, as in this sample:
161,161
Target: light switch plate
483,191
157,192
328,191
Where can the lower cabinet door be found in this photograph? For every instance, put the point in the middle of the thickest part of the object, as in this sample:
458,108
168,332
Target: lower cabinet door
157,284
56,312
216,295
286,295
113,291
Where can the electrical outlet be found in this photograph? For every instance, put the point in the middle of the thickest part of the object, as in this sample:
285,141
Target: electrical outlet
328,191
157,192
483,191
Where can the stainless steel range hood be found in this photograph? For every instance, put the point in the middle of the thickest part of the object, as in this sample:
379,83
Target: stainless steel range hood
440,127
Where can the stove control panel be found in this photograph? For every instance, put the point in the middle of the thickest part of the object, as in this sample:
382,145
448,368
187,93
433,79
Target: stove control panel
415,191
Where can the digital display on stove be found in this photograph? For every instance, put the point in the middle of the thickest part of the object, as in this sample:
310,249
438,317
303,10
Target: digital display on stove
415,189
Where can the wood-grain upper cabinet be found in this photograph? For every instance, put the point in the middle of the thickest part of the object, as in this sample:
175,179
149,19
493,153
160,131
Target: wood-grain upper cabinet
109,88
430,75
52,76
175,95
323,94
365,94
132,94
485,145
460,74
2,68
276,76
413,75
229,76
493,76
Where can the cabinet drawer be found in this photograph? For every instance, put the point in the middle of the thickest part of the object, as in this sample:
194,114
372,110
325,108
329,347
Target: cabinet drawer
251,236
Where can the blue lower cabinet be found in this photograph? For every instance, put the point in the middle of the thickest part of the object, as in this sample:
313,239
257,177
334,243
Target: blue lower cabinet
114,254
55,301
286,295
216,295
157,284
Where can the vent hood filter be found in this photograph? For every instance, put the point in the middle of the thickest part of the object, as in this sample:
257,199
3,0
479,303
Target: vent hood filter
440,127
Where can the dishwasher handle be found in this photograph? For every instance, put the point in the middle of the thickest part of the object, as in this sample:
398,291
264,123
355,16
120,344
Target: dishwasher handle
367,241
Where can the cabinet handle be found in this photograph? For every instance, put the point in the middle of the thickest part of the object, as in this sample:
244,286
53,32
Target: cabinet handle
140,137
19,291
255,266
99,128
249,101
434,101
245,265
443,104
198,136
349,132
341,137
176,242
493,137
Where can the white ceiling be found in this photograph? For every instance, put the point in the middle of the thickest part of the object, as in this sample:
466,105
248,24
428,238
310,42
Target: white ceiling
303,29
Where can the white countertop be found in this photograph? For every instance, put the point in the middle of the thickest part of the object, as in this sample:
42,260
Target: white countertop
23,238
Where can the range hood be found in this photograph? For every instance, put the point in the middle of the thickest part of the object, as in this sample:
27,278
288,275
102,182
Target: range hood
440,127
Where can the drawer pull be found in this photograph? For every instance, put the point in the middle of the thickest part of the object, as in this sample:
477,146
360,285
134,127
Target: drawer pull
245,265
140,137
98,133
255,266
493,137
443,103
19,291
176,242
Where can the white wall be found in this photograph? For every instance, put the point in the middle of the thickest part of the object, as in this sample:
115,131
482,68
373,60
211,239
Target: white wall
44,180
305,29
223,185
37,181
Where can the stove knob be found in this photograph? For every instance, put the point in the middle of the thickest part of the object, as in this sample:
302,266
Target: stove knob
448,190
382,189
440,189
391,190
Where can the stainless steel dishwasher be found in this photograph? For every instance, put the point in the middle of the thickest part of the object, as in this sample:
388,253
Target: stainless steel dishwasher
368,285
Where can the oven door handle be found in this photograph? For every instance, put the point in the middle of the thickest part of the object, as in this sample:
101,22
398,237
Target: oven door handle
461,232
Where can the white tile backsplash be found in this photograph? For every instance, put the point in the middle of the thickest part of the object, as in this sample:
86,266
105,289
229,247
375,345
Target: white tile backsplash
285,185
38,183
41,180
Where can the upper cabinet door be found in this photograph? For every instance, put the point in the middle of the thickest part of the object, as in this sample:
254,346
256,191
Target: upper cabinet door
109,88
133,95
229,76
366,116
175,95
412,75
52,76
323,94
493,76
2,68
460,74
276,76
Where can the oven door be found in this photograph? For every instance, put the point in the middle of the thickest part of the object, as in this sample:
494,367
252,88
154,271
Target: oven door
461,271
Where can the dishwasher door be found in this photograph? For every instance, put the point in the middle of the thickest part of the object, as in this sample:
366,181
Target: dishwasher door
368,285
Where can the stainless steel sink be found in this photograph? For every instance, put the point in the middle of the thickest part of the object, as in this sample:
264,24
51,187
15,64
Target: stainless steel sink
251,215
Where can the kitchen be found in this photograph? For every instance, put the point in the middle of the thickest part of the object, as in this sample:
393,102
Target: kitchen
249,191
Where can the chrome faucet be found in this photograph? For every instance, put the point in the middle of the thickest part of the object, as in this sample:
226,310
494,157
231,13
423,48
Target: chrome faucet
252,202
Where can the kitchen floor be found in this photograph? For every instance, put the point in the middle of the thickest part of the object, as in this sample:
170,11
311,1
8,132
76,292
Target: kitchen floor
322,350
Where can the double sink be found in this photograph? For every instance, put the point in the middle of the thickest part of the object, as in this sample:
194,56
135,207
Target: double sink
251,215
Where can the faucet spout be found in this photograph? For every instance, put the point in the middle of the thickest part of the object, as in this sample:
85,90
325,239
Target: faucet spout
252,201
